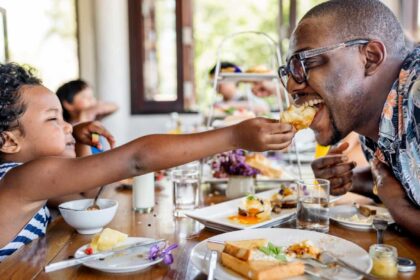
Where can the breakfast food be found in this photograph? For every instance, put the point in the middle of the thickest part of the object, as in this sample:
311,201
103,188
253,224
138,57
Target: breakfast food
260,162
286,197
106,240
252,210
259,69
302,250
259,259
299,116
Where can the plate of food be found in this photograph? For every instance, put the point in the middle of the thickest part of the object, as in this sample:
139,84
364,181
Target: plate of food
120,263
359,216
278,253
265,209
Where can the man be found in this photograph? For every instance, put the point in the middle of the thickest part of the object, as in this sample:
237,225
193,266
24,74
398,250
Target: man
351,55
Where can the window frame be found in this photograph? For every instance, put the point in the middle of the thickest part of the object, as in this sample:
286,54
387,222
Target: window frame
139,104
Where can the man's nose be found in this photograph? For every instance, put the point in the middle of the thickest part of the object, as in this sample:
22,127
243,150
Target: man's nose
294,87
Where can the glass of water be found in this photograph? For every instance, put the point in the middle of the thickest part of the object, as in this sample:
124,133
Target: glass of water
186,186
312,206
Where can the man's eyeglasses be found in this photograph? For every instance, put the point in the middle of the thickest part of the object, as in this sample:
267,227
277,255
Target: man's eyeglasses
296,65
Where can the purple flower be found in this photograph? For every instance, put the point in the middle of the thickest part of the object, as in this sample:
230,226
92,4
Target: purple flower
156,252
232,163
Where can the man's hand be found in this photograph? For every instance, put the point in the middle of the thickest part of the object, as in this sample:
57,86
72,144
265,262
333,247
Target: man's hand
393,195
262,134
337,168
82,132
386,182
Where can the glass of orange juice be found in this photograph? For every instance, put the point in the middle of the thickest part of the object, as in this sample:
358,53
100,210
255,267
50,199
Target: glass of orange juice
321,151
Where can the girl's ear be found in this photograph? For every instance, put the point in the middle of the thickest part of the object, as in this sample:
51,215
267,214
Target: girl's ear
10,143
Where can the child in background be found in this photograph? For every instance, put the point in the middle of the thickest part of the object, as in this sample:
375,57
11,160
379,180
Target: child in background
33,136
80,105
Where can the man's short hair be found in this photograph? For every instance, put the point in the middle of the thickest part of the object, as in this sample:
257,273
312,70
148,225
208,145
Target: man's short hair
367,19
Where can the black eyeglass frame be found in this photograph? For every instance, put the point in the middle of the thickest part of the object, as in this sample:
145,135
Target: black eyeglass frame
284,70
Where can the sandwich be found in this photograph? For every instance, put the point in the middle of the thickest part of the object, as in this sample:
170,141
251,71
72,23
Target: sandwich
260,162
258,259
299,116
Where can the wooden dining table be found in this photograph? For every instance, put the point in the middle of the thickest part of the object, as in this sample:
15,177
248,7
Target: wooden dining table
62,241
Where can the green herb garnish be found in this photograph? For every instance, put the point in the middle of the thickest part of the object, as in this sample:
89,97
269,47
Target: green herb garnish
274,251
230,111
251,197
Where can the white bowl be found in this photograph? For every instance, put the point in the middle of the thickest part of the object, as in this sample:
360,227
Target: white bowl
88,221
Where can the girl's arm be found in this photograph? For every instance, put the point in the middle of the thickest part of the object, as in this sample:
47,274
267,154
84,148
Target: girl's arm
54,176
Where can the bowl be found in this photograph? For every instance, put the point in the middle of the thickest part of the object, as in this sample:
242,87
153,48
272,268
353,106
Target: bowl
88,221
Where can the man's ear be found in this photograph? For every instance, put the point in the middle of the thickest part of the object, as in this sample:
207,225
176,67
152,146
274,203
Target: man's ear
10,143
375,55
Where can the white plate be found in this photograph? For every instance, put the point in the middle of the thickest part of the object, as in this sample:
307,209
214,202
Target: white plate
347,211
346,250
217,216
122,263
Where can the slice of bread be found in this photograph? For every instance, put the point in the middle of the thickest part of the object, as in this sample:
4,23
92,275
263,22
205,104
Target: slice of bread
243,249
262,270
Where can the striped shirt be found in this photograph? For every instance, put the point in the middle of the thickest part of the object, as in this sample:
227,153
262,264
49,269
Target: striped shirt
34,229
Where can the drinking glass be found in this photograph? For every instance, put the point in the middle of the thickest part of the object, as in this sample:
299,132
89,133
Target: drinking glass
312,206
186,186
144,193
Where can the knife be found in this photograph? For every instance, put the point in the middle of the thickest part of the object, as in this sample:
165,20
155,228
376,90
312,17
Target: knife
212,265
117,250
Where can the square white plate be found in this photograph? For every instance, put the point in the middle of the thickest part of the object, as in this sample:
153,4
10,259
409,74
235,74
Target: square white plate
217,216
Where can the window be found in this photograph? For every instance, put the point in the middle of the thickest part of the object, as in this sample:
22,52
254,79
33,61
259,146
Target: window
44,36
158,47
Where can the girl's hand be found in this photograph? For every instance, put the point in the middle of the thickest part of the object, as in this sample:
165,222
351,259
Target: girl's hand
337,168
83,132
261,134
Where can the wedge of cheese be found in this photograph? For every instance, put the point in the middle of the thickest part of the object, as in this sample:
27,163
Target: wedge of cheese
107,240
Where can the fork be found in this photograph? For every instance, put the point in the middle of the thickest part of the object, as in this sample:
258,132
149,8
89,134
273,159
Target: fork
327,257
380,226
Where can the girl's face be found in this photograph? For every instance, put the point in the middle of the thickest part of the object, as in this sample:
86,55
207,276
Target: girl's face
84,100
45,133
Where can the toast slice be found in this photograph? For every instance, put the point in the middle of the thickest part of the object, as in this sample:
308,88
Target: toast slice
243,249
261,269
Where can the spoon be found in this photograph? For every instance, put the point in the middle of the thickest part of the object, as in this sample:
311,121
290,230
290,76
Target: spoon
380,226
95,206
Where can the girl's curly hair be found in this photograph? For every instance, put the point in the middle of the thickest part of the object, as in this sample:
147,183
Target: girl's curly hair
12,77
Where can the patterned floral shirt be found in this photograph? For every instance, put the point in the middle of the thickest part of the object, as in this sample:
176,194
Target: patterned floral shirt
399,130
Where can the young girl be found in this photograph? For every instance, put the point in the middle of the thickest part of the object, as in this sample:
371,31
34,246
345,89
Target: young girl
33,136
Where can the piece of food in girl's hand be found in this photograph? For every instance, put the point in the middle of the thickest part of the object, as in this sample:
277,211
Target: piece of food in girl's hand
299,117
106,240
95,138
